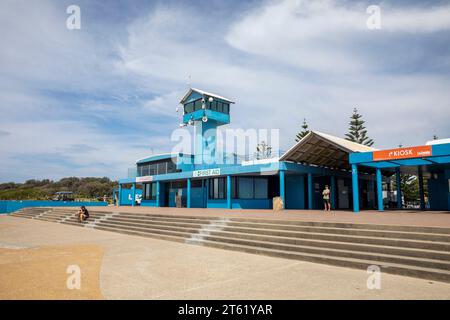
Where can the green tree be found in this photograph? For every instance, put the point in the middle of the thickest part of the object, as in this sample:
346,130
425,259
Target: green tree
304,131
357,131
44,189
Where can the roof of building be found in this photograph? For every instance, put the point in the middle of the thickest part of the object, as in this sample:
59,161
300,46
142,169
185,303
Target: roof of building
204,93
438,141
157,157
321,149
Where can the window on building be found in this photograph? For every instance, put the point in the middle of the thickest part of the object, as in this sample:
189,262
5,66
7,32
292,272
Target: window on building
245,188
171,167
178,184
152,170
226,108
162,167
261,188
197,104
217,188
250,188
149,191
189,107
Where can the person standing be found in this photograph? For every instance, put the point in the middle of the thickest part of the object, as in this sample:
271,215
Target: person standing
326,198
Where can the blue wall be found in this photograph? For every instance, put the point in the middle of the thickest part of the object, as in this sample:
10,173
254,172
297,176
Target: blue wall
241,203
7,206
148,203
438,191
126,196
295,192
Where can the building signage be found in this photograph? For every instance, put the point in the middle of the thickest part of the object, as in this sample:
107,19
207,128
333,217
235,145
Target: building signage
206,173
144,179
402,153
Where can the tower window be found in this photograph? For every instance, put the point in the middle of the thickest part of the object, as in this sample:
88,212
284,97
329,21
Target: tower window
189,107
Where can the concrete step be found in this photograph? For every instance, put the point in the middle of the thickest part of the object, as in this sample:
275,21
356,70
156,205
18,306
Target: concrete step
53,215
399,269
418,244
381,258
274,243
75,223
413,271
110,222
142,234
143,229
281,230
23,215
416,229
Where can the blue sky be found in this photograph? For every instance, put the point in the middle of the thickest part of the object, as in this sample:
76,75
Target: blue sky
90,102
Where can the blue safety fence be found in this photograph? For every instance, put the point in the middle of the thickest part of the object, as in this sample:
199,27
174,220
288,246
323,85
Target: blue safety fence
8,206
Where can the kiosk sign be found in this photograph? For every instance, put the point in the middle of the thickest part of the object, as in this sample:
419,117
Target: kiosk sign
206,173
402,153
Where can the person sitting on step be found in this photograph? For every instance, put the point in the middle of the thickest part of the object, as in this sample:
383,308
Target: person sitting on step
83,214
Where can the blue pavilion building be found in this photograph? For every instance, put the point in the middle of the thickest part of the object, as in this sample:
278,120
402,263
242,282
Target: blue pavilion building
207,179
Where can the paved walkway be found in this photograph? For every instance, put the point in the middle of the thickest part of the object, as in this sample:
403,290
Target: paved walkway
142,268
404,217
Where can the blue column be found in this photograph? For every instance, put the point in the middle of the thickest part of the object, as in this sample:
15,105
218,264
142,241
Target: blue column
282,190
355,188
333,192
229,192
119,196
421,192
158,194
207,193
398,180
310,191
188,196
133,194
379,190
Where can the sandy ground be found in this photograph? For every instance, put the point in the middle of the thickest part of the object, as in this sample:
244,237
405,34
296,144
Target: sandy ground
48,272
143,268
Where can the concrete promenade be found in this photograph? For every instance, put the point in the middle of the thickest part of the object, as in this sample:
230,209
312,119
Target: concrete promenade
142,268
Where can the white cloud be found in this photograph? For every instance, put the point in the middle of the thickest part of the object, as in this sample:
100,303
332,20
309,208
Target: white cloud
280,61
325,35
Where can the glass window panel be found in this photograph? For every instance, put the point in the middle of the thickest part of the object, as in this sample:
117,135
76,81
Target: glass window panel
162,167
210,188
197,105
216,188
189,107
147,191
245,188
261,187
221,192
233,187
171,167
226,108
145,170
152,170
153,192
